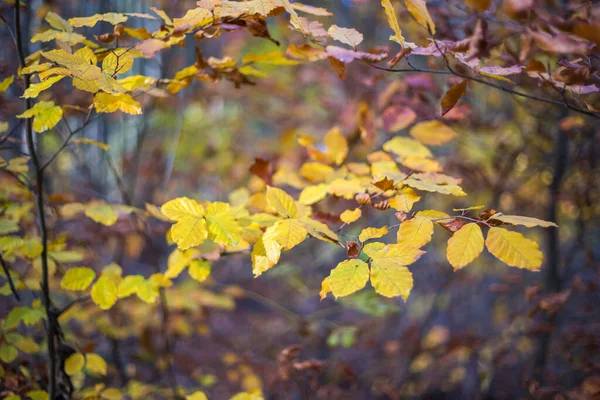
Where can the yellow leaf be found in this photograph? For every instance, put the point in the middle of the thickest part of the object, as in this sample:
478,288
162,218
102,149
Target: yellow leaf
319,230
199,270
345,188
95,143
5,84
392,254
91,21
316,172
109,103
348,277
393,22
418,9
190,229
196,396
406,147
147,291
287,232
372,233
37,395
74,363
163,15
45,115
430,186
415,232
95,364
18,165
465,245
421,164
265,255
386,169
514,249
391,280
118,61
101,212
405,200
348,36
104,293
324,288
222,227
272,58
177,261
433,133
58,22
27,345
282,202
337,145
129,285
313,194
350,216
525,221
78,278
111,394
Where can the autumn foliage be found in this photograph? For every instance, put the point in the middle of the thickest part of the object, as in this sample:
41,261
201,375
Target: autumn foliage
397,173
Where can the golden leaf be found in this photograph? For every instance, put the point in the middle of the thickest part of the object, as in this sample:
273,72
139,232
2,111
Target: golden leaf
415,232
433,133
393,22
514,249
418,9
282,202
372,233
348,277
78,278
350,216
465,245
348,36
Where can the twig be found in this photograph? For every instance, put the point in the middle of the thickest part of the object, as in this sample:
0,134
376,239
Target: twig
13,289
72,303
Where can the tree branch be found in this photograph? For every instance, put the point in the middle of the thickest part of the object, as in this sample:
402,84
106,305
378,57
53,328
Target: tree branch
39,201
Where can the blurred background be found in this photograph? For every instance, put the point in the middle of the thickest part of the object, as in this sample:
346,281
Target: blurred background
487,331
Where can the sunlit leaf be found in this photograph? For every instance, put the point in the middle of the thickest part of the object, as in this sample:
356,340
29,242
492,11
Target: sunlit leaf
418,9
109,103
282,202
465,245
348,36
348,277
415,232
514,249
393,22
372,233
74,363
350,216
104,293
433,133
78,278
525,221
45,115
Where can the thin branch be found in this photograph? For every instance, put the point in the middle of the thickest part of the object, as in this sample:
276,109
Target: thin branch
72,303
39,200
13,289
487,83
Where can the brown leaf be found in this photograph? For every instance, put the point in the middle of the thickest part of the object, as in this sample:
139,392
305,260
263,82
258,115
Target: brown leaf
385,184
262,169
352,249
452,225
453,95
560,43
478,45
258,27
347,56
518,9
398,57
338,66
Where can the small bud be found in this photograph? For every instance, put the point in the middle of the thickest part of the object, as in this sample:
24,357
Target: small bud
363,198
382,205
118,30
401,216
